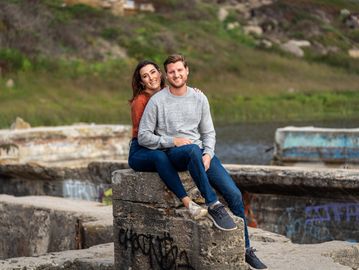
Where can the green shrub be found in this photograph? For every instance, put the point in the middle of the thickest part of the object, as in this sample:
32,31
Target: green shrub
84,11
12,60
110,33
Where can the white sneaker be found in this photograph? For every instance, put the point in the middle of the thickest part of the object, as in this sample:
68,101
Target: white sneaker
196,211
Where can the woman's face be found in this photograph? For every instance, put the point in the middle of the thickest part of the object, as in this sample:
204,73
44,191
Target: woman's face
151,78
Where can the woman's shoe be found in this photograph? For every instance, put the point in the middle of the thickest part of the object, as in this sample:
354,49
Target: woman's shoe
196,211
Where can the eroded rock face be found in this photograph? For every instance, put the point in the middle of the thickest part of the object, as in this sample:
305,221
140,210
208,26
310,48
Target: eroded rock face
152,230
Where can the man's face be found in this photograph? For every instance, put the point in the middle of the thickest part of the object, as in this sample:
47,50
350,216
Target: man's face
177,74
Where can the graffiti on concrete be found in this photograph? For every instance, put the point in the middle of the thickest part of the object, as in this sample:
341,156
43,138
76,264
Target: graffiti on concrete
319,222
319,218
83,190
9,151
342,212
160,250
291,222
321,233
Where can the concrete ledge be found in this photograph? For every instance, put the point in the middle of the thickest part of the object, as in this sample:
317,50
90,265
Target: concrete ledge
35,179
296,180
39,224
86,182
64,143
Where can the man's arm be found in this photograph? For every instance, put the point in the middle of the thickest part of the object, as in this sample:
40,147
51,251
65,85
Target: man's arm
146,131
206,129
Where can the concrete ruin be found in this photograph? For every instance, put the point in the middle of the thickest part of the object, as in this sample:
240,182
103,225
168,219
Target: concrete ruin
87,182
66,145
36,225
281,198
277,251
153,231
311,146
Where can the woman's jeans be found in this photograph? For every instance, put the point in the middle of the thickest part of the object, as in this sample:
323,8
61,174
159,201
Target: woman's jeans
189,157
143,159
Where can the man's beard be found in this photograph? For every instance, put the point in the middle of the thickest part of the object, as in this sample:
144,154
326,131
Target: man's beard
177,86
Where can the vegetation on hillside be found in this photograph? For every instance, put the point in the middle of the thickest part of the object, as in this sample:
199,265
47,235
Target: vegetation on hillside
74,64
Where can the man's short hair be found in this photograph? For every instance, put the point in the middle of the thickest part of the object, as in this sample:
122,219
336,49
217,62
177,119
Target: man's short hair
174,58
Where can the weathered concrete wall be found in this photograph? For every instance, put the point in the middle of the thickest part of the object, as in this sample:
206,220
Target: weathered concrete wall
318,145
316,182
37,225
86,183
64,144
307,220
302,189
152,231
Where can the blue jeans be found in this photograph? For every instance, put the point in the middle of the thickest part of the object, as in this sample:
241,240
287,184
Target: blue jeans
143,159
189,157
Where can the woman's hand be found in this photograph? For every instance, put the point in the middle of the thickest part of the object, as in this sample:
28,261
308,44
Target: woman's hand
197,90
206,158
181,141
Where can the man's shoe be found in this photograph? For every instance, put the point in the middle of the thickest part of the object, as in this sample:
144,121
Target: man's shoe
253,260
196,211
220,217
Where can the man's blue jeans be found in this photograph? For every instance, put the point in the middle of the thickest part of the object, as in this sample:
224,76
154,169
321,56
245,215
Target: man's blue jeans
143,159
189,157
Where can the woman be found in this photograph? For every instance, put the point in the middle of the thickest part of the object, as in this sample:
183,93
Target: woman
147,79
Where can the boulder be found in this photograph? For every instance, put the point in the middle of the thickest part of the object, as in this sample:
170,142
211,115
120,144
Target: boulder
292,48
354,53
20,124
253,29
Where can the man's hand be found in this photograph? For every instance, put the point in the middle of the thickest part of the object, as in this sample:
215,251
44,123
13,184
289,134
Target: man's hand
181,141
206,158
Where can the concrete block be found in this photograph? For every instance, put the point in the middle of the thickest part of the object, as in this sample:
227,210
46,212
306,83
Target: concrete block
153,231
130,186
35,225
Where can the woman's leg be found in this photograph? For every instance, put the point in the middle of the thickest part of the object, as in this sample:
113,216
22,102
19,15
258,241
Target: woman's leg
146,160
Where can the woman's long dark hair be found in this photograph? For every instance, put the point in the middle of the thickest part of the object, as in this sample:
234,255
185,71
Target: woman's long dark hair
137,84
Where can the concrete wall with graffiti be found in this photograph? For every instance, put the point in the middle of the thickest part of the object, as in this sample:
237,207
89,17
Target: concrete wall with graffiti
307,219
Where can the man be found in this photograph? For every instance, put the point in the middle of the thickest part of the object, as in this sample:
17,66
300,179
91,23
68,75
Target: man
178,120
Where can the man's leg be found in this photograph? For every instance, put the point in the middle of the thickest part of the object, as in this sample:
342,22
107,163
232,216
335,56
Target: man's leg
189,157
223,182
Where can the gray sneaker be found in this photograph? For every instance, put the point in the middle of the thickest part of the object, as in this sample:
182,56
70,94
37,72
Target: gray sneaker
220,217
196,211
253,260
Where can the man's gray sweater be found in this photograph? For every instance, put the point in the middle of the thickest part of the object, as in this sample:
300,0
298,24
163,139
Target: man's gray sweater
167,116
